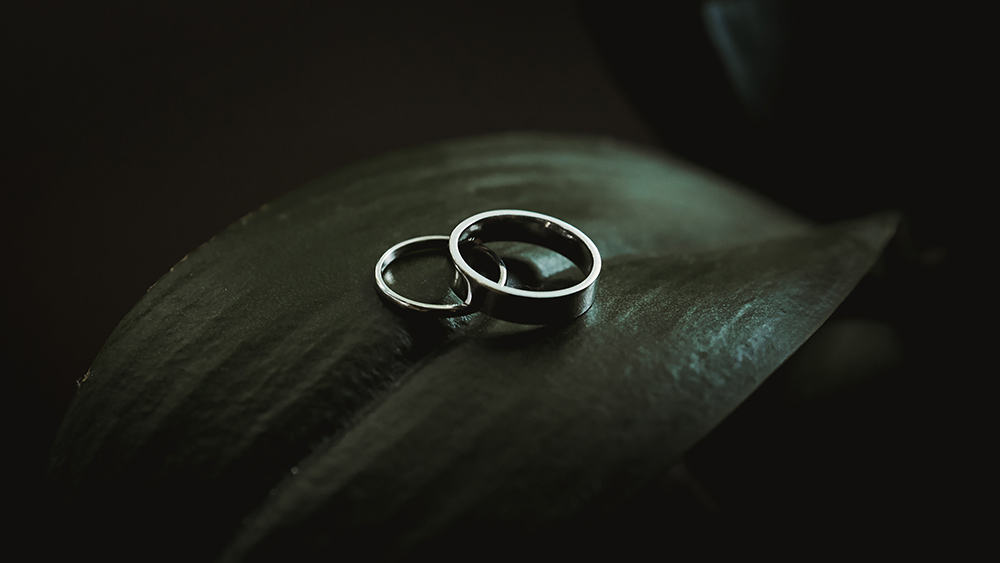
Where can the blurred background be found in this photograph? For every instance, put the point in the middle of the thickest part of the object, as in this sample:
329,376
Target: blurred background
133,133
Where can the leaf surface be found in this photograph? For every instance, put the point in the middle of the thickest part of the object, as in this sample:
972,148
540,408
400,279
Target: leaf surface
264,392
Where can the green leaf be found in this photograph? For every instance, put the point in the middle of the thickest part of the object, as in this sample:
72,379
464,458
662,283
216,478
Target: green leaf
261,400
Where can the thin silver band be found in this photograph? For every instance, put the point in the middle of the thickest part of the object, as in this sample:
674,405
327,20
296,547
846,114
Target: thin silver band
521,305
460,284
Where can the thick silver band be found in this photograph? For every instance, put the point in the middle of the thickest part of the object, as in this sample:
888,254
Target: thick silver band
521,305
460,284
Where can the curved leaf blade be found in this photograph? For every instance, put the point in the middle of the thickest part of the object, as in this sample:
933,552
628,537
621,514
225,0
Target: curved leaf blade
267,350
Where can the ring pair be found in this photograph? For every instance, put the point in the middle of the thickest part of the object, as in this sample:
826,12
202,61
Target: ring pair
493,296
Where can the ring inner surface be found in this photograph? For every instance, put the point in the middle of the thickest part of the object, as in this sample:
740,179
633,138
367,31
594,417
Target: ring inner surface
533,231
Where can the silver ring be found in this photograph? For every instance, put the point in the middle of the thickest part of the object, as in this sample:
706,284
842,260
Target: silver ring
459,284
521,305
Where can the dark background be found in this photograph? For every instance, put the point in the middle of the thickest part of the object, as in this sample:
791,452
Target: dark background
132,134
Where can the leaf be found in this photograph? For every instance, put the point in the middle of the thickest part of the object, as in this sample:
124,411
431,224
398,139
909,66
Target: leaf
261,400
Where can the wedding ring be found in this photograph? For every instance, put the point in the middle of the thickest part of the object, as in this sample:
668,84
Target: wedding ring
460,283
522,305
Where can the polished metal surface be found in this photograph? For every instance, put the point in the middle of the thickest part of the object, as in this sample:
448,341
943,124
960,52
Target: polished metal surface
460,284
521,305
